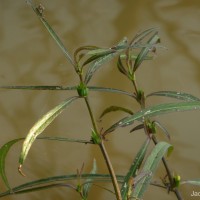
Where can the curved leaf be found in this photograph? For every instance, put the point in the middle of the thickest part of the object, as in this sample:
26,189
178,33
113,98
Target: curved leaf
96,64
115,108
156,110
141,35
138,127
152,41
177,95
151,165
133,169
3,153
39,127
58,179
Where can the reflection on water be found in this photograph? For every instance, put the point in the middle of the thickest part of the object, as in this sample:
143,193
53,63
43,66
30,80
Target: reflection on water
28,56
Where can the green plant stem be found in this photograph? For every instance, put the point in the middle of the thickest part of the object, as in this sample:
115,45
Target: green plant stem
111,171
105,154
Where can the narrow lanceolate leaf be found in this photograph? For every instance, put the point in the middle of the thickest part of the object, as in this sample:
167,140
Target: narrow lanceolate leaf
192,182
39,87
150,44
151,165
39,11
40,126
115,108
156,110
96,64
88,182
140,36
111,90
121,67
3,153
133,169
177,95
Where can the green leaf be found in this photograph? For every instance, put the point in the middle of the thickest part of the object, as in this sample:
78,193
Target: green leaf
177,95
39,127
111,90
138,127
3,153
96,64
92,88
39,87
156,110
59,179
51,31
88,184
115,108
140,36
6,147
133,169
151,165
152,41
192,182
121,67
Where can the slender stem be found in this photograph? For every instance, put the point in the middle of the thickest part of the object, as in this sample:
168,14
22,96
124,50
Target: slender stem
91,114
111,171
105,154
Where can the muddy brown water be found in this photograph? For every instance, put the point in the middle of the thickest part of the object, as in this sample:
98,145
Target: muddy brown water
28,56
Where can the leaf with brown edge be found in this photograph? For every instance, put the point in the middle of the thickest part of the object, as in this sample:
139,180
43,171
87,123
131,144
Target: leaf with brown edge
39,127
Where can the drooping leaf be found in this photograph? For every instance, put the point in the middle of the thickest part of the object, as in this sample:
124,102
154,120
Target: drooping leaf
177,95
151,165
80,52
133,169
121,67
6,147
40,14
95,57
40,126
163,129
115,108
156,110
138,127
141,56
192,182
3,153
96,64
88,184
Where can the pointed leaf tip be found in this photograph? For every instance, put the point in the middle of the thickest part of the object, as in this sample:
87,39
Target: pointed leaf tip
40,126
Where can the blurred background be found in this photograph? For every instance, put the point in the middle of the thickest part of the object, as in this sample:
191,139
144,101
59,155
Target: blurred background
29,56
